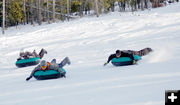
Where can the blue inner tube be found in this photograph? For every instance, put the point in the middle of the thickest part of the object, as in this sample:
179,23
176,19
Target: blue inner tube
122,61
27,62
48,74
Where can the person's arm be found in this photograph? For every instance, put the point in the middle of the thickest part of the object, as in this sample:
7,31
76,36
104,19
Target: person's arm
54,66
110,58
32,73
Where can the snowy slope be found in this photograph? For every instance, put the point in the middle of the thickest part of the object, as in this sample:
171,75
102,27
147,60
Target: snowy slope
88,42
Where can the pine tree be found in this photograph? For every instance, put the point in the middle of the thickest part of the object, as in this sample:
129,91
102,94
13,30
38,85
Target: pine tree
15,15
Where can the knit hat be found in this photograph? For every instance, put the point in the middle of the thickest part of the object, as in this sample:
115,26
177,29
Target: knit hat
118,51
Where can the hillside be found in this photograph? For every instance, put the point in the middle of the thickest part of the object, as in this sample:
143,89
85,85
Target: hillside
88,42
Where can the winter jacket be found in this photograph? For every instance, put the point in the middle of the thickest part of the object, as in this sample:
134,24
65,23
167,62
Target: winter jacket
123,54
52,66
27,55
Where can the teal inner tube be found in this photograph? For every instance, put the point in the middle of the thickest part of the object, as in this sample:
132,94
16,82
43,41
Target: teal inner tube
122,61
48,74
27,62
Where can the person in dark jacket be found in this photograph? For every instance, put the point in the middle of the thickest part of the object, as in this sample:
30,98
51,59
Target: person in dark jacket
119,54
44,65
129,53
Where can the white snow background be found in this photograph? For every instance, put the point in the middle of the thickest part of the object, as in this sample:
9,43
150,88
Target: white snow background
88,42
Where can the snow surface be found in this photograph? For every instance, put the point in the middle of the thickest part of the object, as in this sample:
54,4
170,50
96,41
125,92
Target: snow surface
88,42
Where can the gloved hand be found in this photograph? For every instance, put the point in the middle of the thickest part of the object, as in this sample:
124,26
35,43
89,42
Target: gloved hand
27,79
105,63
64,76
133,62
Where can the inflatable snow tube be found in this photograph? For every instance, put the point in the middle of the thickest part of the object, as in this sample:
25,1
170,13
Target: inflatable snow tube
123,61
48,74
27,62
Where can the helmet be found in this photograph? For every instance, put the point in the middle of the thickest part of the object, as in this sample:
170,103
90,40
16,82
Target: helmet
43,64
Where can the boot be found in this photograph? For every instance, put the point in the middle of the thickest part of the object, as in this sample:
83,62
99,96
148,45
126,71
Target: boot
68,61
27,79
42,52
149,49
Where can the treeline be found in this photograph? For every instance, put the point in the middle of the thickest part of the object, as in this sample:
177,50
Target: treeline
38,11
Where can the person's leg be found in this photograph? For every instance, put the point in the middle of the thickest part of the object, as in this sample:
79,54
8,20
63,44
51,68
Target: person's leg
135,52
35,54
42,52
132,52
64,62
145,51
31,75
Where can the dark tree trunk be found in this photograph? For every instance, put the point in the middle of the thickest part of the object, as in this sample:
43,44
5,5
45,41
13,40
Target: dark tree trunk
31,12
96,7
124,5
3,23
47,8
39,12
142,5
24,10
53,10
135,5
112,7
138,3
68,10
81,9
146,4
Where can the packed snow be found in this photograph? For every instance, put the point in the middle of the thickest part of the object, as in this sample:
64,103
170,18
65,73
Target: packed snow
88,42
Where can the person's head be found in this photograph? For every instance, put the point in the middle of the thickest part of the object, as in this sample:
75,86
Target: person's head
22,54
43,64
118,53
